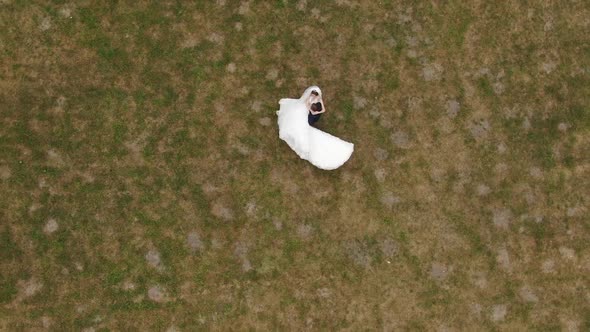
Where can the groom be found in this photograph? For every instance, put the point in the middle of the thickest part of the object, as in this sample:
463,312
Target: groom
315,105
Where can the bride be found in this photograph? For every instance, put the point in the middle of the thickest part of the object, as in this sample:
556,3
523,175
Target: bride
319,148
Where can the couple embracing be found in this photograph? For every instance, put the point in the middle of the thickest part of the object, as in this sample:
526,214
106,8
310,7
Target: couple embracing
295,120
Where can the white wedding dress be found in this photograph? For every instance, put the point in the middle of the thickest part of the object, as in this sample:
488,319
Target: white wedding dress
319,148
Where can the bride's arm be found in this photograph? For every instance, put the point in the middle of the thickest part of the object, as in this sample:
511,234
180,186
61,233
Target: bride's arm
323,107
308,103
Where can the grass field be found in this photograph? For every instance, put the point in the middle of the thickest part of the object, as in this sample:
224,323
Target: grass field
144,187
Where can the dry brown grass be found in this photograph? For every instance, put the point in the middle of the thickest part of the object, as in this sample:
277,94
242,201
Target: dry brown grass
144,186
